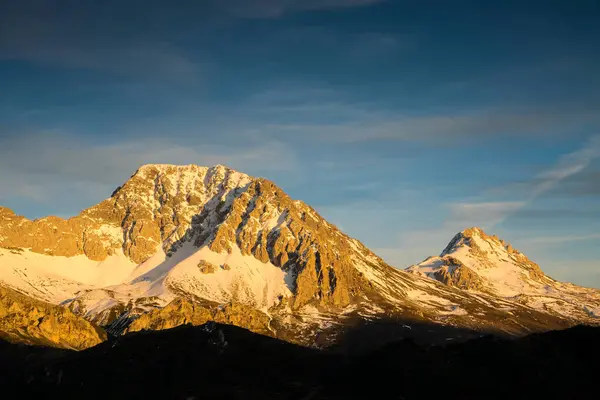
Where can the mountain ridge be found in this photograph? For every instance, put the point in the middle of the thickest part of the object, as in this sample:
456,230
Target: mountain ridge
218,237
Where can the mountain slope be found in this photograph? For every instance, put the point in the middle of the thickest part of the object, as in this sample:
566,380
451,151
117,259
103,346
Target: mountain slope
214,237
480,263
25,320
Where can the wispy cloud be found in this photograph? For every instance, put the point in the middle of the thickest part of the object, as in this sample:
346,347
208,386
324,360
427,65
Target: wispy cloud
568,165
141,59
441,129
277,8
585,183
531,214
84,36
486,215
412,246
553,240
41,166
124,38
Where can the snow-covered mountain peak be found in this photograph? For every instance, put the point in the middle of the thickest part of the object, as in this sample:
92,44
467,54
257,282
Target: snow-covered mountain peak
479,251
187,178
465,238
170,168
478,262
217,169
202,230
478,243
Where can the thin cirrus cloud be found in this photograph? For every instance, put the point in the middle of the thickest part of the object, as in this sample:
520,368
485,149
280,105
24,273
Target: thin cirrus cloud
277,8
57,162
584,184
82,41
486,215
442,128
556,213
550,240
568,165
489,214
141,43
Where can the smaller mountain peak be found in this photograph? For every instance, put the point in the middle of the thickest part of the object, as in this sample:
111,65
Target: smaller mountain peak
469,237
475,237
478,233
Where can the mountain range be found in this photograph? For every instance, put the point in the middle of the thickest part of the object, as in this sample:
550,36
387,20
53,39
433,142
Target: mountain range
179,245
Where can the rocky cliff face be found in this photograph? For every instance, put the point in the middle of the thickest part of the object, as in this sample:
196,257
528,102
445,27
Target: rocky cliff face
58,237
155,206
182,312
454,273
25,320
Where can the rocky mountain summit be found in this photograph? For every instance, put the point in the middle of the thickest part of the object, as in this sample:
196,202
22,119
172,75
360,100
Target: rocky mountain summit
188,244
479,263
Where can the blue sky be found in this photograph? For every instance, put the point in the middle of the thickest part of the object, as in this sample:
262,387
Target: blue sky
403,122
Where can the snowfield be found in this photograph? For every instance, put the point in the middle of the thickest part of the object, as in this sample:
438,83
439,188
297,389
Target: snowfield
236,277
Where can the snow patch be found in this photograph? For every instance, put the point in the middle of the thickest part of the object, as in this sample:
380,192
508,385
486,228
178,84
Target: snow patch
427,299
246,280
57,278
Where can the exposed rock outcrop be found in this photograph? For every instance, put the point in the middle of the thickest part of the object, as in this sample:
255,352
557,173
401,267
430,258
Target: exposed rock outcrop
455,273
59,237
26,320
181,312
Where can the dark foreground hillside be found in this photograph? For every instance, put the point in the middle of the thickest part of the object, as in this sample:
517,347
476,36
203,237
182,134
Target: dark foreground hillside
220,361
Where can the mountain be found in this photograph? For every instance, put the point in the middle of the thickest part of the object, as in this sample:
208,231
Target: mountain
479,263
226,362
179,244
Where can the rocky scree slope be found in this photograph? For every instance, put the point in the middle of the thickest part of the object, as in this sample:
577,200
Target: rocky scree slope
213,242
480,263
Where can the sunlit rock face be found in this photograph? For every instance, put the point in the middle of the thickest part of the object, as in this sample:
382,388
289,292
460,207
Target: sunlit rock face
29,321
